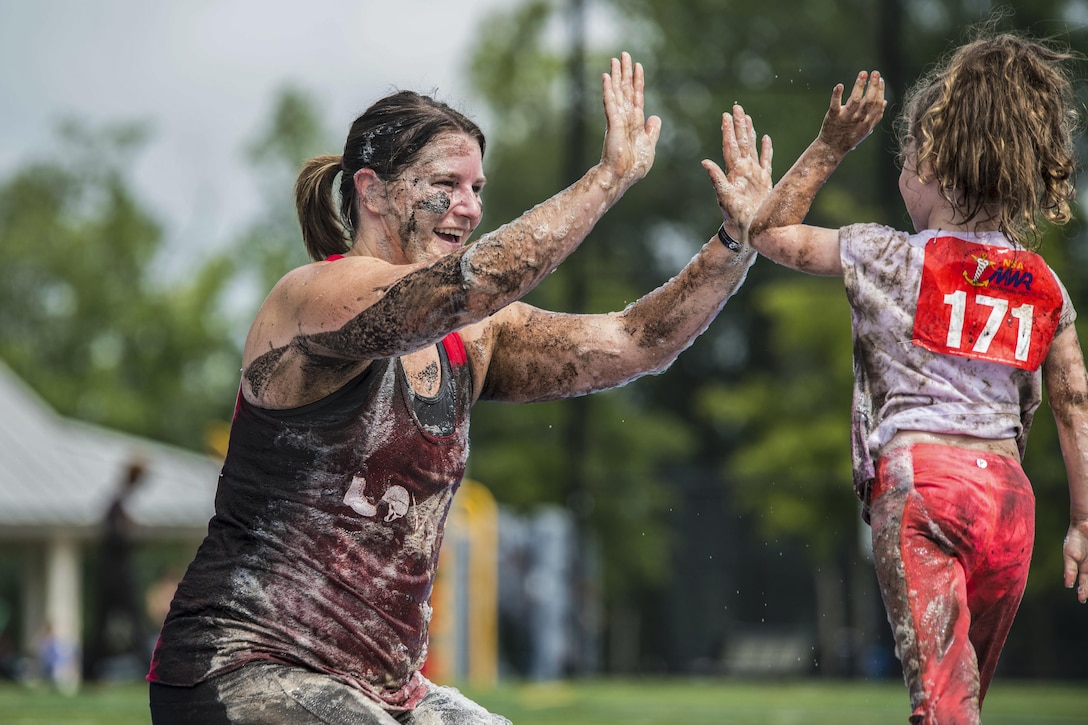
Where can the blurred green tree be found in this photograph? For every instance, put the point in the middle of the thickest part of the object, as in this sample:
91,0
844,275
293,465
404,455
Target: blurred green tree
86,318
272,244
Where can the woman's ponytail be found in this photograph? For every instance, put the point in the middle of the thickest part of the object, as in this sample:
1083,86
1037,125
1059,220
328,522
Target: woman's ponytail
323,231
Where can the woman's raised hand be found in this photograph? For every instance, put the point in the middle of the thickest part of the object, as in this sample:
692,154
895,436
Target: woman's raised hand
631,138
748,181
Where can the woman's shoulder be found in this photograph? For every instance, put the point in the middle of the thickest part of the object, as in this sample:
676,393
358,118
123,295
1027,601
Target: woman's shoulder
347,285
337,265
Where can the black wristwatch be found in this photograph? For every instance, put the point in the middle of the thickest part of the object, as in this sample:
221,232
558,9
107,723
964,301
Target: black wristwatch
723,236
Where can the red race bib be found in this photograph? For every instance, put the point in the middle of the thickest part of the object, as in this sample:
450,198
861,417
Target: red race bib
987,303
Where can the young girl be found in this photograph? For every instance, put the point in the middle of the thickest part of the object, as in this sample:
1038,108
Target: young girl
955,327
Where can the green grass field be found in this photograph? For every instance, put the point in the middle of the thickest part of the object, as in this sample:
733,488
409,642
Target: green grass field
634,702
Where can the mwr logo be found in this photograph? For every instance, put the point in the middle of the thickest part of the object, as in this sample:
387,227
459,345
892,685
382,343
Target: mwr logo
1008,273
1011,274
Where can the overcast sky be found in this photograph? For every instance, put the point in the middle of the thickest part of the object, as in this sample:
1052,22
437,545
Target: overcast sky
205,74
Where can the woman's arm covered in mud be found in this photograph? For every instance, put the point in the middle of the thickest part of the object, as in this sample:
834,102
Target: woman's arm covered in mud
400,309
539,355
1067,393
505,264
777,231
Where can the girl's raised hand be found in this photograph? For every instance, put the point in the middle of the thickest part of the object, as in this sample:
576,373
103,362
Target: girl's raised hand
847,125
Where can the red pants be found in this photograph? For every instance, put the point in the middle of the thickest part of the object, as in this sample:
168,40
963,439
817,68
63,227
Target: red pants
952,539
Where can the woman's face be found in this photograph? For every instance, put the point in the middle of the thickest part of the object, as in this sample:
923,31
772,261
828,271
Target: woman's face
435,202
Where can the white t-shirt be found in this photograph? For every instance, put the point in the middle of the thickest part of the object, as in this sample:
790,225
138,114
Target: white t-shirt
971,378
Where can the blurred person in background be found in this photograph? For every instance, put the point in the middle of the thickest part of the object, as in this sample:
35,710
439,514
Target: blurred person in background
117,645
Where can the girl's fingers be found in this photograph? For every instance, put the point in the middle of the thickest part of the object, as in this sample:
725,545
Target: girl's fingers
859,86
836,97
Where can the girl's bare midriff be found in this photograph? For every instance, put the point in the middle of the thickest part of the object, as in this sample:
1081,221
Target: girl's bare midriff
1000,446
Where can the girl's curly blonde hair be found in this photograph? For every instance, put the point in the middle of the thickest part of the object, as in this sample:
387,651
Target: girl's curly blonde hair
994,125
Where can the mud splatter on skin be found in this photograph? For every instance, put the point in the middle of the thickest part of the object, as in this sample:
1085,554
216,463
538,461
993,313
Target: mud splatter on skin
504,271
536,375
260,371
411,313
404,213
498,268
666,320
564,355
427,377
322,373
665,317
477,281
1072,393
512,260
405,319
436,203
793,196
459,288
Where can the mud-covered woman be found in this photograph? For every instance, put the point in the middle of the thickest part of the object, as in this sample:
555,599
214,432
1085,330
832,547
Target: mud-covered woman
308,601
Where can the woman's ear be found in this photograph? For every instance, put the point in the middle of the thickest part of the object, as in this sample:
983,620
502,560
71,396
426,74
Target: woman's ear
369,190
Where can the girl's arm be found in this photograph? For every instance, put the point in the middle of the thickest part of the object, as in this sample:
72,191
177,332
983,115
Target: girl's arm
777,231
1067,393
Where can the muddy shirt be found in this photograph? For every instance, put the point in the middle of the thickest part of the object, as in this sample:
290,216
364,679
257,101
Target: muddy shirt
932,370
325,539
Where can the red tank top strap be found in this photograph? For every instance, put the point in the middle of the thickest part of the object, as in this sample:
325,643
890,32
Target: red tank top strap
455,349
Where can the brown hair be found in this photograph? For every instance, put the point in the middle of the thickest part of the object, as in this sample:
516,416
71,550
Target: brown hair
994,122
387,137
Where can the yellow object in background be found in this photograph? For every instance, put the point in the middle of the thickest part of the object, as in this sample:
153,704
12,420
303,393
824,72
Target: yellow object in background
464,624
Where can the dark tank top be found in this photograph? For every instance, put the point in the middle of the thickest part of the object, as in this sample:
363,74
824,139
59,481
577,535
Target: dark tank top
325,539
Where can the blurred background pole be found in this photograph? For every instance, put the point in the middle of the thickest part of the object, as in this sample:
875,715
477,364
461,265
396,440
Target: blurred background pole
892,66
579,498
